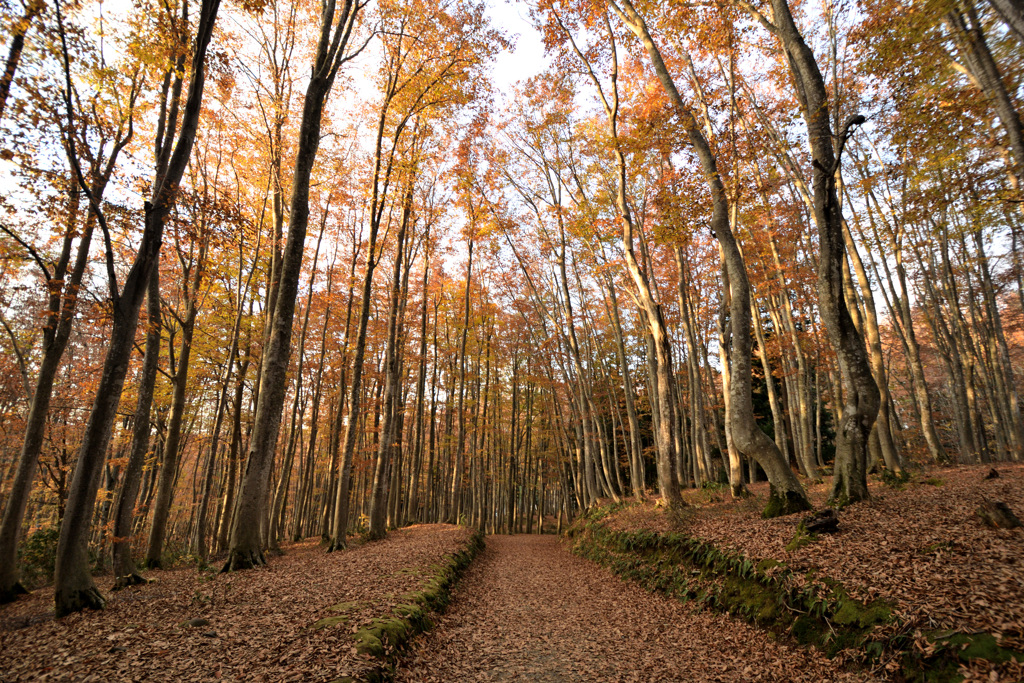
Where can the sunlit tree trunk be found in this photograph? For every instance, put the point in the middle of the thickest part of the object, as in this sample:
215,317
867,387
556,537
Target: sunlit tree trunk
860,390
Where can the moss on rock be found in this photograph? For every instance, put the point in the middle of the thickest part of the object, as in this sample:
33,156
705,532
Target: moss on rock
384,636
817,611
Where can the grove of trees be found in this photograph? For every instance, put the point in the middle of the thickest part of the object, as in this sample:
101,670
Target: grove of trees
275,270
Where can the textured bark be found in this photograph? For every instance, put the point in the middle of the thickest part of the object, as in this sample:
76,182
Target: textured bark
660,361
73,585
745,432
881,431
1012,12
860,391
966,31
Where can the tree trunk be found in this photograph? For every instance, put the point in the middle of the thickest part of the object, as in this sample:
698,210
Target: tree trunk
247,541
125,573
73,585
849,482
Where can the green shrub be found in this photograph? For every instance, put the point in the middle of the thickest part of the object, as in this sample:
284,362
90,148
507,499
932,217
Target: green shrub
894,480
38,553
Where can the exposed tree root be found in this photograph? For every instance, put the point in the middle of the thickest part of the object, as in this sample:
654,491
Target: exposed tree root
130,579
76,600
785,503
11,594
243,559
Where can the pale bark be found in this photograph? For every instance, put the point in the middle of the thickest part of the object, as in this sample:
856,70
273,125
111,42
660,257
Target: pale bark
860,390
788,495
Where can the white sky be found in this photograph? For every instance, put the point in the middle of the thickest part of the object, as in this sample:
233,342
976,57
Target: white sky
527,59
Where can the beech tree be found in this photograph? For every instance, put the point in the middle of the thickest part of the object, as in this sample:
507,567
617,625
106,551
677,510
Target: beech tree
677,257
74,587
337,26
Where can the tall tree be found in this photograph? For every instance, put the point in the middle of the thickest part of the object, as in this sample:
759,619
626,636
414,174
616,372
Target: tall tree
74,587
246,545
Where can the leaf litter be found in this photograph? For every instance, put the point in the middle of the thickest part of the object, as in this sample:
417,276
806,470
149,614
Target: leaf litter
920,547
259,621
528,610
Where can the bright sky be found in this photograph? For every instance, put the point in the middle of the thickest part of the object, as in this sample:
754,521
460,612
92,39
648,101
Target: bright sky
527,59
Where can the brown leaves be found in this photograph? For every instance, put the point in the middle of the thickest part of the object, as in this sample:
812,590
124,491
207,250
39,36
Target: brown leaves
527,610
921,548
258,619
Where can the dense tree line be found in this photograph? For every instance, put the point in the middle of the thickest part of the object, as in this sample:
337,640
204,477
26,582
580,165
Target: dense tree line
708,245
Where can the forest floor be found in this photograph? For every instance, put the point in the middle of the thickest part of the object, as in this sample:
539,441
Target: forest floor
917,545
528,610
259,621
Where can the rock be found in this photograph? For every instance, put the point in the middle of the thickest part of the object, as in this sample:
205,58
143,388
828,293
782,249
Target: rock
116,649
997,515
197,622
210,634
822,522
992,474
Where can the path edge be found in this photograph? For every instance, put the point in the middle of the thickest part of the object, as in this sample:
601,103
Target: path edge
384,638
820,614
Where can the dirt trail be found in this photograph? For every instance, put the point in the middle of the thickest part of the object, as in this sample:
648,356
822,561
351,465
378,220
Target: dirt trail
528,610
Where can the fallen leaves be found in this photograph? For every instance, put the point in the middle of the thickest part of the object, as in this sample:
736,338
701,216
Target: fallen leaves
258,620
528,610
921,548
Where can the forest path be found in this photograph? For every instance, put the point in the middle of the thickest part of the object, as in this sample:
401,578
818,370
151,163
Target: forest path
528,610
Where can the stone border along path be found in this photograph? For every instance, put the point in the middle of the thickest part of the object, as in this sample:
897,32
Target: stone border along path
528,610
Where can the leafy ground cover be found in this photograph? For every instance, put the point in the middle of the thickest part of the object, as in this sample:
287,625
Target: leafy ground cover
917,545
295,620
528,610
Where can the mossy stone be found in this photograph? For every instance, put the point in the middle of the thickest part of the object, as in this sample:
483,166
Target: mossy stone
367,643
780,505
328,622
853,613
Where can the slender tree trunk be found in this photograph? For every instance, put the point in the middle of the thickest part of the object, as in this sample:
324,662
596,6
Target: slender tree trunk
73,585
247,540
20,29
392,378
125,573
